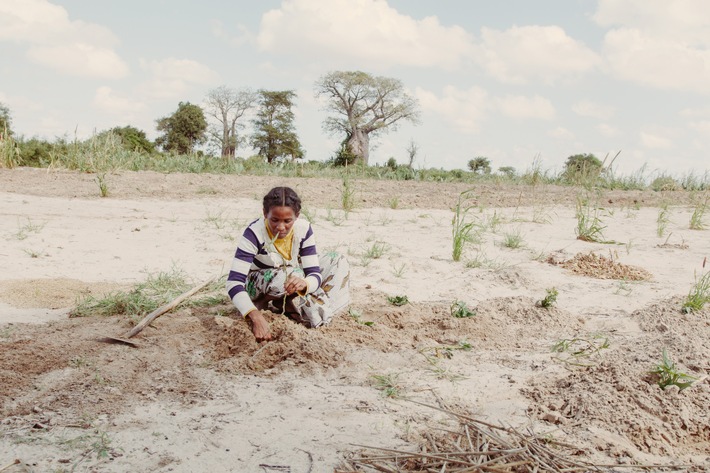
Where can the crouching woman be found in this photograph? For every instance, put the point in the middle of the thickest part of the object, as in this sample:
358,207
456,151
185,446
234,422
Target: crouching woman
276,267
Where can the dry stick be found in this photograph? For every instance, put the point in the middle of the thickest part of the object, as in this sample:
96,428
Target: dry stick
16,462
148,319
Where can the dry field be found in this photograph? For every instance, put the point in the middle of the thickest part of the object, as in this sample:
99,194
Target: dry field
199,394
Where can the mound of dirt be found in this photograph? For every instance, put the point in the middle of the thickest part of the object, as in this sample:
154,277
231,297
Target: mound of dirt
620,395
600,267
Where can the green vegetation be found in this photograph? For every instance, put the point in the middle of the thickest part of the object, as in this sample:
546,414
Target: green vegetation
460,310
25,229
145,297
347,194
274,133
663,219
550,299
696,219
480,165
461,229
362,104
668,375
698,296
578,351
398,300
183,130
387,383
357,317
589,223
513,240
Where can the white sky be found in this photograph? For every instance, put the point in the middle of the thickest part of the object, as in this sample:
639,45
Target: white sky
509,80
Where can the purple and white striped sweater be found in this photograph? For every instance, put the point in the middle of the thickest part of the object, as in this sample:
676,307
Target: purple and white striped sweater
253,253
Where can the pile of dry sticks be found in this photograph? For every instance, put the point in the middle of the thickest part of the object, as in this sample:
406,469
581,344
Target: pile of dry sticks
478,446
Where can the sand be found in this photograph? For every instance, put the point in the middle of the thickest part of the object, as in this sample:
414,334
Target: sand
199,394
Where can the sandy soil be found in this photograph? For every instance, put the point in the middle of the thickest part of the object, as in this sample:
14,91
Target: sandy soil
199,394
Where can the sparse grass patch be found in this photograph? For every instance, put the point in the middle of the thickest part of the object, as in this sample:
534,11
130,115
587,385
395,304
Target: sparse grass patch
335,219
590,226
156,290
667,374
577,351
103,185
310,215
662,220
461,230
25,229
698,296
357,317
377,250
696,219
347,195
398,270
398,300
393,202
513,240
387,383
550,298
460,310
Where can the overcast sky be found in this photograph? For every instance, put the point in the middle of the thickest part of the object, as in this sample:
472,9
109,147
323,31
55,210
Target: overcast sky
509,80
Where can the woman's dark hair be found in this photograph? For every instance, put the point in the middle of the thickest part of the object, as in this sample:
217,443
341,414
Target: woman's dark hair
282,197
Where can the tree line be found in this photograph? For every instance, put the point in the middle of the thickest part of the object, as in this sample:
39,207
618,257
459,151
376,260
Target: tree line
360,106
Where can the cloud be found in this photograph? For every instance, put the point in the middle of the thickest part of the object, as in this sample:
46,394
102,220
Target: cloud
587,108
105,99
561,133
654,141
171,77
361,30
520,54
464,109
243,37
71,47
521,107
607,130
663,44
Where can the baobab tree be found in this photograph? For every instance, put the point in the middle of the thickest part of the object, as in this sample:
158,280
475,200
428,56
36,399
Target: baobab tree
227,106
363,106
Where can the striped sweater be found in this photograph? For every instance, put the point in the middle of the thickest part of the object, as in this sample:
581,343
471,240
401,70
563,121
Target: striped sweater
255,251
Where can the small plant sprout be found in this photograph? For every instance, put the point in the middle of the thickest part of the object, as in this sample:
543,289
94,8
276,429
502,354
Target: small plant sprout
460,310
376,251
103,185
393,202
698,296
668,375
696,219
347,195
513,240
461,230
398,270
398,300
550,299
387,383
357,317
334,218
662,220
589,224
310,215
24,229
577,351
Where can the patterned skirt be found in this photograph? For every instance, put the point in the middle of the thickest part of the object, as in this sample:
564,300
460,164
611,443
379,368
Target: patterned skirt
266,288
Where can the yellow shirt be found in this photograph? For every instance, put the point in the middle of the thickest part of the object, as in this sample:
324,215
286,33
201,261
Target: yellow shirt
282,245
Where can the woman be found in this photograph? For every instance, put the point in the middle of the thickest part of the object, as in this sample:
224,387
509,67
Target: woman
276,265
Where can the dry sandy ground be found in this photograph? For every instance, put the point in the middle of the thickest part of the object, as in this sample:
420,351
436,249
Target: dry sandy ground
199,394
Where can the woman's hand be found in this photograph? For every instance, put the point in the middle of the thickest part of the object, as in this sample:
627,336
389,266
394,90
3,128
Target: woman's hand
295,284
259,326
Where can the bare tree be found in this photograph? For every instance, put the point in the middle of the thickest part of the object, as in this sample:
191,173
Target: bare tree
227,106
364,105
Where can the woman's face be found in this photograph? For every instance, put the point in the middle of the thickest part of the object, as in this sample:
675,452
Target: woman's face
280,220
